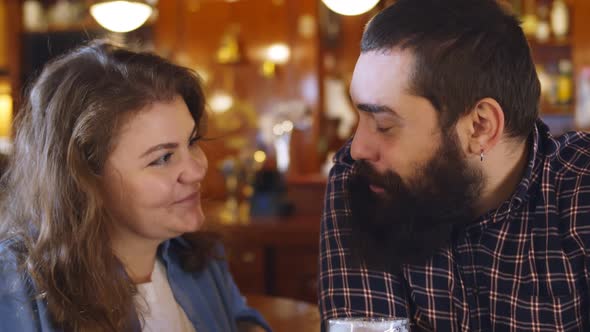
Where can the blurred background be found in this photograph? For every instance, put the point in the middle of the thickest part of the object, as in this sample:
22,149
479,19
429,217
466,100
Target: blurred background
276,73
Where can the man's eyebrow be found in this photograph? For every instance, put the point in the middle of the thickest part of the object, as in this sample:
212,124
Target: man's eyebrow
376,109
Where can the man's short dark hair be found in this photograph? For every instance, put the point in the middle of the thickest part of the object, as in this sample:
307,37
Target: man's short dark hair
465,50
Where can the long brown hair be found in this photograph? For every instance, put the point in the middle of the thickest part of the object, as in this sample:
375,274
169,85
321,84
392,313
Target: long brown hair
51,202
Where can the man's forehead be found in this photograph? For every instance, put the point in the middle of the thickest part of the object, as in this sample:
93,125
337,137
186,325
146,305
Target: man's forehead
390,58
379,74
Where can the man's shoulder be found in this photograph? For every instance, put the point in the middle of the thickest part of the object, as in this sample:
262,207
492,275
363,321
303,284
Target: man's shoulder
567,172
569,154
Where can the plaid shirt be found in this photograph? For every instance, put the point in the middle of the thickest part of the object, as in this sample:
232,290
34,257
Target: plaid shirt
521,267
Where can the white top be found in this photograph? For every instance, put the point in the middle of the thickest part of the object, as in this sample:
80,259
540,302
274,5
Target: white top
159,308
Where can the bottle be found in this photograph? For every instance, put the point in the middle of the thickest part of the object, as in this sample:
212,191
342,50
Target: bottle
564,82
560,19
34,16
545,81
543,31
552,83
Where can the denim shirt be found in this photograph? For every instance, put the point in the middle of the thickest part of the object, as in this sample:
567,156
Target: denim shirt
210,298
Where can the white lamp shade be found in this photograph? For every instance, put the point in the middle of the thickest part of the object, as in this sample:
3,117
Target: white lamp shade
121,16
350,7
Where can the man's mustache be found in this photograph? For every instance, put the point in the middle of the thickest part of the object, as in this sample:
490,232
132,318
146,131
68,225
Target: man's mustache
366,174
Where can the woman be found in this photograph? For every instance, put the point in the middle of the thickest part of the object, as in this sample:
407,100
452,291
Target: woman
104,180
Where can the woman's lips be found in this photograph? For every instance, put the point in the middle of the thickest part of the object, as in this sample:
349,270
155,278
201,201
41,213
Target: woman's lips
190,198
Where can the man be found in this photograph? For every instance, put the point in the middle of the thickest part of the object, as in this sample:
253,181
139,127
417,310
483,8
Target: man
452,205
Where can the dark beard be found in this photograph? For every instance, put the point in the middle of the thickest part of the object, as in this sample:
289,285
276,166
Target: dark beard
410,222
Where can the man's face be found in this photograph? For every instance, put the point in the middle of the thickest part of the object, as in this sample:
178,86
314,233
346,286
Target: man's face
412,182
397,130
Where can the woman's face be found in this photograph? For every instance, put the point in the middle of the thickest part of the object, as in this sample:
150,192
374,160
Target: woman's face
152,178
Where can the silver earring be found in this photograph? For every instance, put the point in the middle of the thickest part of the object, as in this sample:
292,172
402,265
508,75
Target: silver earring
481,155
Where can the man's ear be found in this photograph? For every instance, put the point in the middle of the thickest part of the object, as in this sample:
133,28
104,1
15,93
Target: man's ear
483,127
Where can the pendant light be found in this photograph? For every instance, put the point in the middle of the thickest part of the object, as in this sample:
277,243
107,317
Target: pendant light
121,15
350,7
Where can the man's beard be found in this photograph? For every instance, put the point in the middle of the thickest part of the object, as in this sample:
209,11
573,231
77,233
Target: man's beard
410,222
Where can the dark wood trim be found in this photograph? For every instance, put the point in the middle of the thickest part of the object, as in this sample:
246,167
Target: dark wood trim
14,29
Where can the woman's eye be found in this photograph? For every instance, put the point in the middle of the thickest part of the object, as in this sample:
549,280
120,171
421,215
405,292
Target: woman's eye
162,160
384,129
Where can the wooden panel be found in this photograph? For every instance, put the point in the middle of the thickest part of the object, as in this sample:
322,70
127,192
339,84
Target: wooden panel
306,75
339,58
249,263
3,36
273,256
580,33
306,193
13,30
347,50
297,273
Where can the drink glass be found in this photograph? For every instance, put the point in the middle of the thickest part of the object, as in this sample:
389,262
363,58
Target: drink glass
368,325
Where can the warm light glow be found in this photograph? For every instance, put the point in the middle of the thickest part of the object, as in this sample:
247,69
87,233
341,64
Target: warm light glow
121,16
221,102
278,53
287,126
350,7
278,129
5,115
284,127
259,156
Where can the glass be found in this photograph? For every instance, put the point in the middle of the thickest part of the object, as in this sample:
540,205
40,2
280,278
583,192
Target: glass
368,325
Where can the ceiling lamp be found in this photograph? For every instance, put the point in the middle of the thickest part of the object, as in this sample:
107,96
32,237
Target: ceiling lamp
121,15
350,7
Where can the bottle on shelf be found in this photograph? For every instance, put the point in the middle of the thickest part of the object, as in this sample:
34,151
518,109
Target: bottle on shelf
551,85
565,85
34,18
560,19
543,31
546,82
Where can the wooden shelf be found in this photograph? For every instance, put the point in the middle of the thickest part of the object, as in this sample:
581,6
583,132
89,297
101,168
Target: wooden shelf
87,24
84,24
551,51
551,43
552,109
